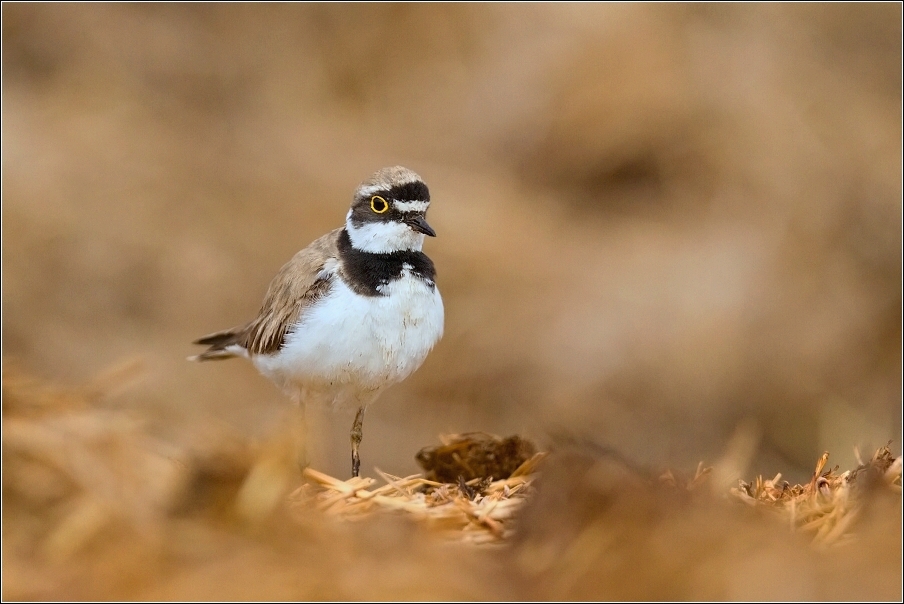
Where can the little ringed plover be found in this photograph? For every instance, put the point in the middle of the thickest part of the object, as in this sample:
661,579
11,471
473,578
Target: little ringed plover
354,312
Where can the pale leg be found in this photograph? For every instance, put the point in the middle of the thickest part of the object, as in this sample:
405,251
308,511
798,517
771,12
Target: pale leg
300,432
357,434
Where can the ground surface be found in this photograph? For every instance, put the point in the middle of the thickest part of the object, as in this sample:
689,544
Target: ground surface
666,235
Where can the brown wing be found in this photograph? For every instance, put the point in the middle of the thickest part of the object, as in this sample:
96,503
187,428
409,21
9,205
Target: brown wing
297,285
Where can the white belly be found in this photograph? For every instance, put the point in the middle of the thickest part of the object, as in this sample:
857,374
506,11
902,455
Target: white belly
353,346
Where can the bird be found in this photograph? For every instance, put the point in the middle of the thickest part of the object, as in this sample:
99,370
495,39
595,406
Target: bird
354,312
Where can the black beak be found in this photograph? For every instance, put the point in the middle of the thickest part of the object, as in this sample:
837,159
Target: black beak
419,223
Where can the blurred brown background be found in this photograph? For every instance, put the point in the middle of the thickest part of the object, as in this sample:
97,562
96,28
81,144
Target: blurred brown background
665,229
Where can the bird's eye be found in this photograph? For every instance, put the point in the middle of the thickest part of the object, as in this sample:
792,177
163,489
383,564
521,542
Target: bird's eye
378,204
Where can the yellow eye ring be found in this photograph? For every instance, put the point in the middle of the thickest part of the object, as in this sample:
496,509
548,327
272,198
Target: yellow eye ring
378,204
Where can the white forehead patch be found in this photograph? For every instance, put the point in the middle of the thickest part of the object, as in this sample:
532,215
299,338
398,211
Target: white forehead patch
411,206
370,190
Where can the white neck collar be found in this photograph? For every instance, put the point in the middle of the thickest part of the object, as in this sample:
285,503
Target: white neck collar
383,237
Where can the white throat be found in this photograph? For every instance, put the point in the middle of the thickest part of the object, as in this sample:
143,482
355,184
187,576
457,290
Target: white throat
383,237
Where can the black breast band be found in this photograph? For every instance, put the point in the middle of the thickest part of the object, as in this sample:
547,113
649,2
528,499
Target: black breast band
365,272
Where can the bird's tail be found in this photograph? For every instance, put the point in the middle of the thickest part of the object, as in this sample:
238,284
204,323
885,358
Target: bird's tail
223,345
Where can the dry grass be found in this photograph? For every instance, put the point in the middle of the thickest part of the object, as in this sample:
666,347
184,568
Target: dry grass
480,510
98,505
828,505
